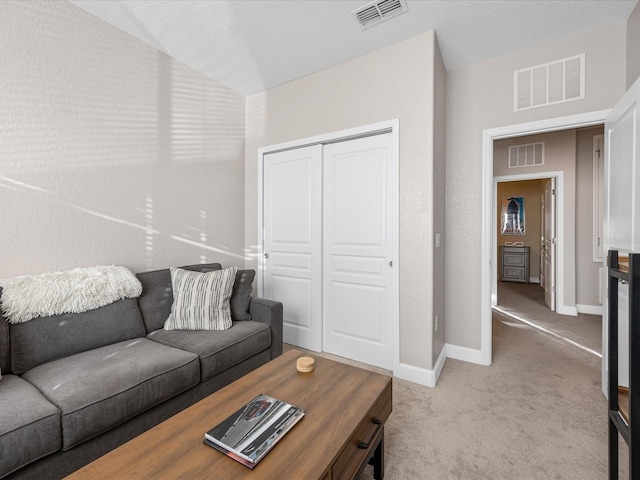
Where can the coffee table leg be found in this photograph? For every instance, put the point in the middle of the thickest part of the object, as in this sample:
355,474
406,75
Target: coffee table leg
378,459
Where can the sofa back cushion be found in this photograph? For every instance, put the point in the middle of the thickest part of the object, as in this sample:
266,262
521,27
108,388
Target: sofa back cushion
5,353
45,339
157,294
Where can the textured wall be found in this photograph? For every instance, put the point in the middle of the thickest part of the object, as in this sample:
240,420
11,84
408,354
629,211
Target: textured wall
439,195
560,155
587,271
481,97
394,82
111,152
633,46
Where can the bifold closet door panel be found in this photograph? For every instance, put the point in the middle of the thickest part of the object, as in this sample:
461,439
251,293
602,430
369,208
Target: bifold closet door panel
292,203
358,248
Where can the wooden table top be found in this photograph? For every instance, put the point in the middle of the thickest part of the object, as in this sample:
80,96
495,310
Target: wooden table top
336,398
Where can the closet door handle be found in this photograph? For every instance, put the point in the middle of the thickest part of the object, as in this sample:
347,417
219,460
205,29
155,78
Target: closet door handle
266,255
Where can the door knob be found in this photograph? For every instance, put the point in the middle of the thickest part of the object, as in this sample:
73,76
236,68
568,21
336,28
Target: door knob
266,255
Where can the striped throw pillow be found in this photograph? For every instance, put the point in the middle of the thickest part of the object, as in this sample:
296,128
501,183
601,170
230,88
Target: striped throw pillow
201,300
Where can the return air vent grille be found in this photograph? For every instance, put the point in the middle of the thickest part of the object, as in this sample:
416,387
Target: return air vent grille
378,11
550,83
526,155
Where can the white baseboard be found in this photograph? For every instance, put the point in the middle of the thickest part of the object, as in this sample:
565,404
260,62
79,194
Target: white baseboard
465,354
565,310
423,376
534,280
589,309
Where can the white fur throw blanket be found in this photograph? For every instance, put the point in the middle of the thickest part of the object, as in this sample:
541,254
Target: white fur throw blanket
73,291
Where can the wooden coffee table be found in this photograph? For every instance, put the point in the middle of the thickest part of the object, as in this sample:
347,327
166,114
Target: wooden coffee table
343,429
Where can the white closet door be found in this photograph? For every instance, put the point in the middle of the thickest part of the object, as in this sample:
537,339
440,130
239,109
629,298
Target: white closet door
358,249
292,205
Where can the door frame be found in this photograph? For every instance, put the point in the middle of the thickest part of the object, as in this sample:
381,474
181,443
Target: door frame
389,126
489,226
558,267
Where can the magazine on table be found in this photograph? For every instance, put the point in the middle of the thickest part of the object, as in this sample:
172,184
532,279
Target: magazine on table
248,434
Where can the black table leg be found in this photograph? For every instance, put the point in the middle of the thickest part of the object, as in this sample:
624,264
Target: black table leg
377,460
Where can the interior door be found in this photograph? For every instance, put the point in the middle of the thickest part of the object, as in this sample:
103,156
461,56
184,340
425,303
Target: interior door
543,278
549,243
358,249
292,203
622,208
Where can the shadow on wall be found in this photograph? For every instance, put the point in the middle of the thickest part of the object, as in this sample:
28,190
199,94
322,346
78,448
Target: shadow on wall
113,153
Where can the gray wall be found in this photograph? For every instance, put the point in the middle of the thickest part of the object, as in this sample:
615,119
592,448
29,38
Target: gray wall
111,152
481,97
587,271
394,82
569,151
439,195
560,155
633,46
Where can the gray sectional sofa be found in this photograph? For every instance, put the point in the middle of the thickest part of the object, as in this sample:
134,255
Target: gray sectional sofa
75,386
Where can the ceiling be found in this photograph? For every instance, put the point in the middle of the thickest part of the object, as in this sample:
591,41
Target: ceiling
254,45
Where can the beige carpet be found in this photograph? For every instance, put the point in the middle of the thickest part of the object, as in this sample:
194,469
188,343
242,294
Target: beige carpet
536,413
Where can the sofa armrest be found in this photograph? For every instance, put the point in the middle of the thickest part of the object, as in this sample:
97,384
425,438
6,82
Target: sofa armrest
269,312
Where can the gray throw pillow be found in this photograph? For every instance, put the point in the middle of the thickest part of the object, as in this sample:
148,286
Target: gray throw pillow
201,300
241,296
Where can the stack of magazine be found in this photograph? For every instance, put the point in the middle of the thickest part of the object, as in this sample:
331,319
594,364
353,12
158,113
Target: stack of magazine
248,434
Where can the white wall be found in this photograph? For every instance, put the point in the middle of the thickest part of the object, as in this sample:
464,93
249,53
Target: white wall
111,152
481,97
394,82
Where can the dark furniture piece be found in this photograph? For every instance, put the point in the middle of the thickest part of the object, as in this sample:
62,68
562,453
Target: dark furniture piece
622,401
514,263
345,407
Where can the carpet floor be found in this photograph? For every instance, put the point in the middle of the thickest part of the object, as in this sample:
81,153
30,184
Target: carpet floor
537,412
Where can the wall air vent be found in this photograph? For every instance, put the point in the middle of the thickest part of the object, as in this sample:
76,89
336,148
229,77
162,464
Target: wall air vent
378,11
526,155
550,83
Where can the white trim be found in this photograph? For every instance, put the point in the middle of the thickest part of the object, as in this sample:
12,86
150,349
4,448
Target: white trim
488,214
423,376
465,354
598,200
567,310
561,306
393,126
589,309
534,280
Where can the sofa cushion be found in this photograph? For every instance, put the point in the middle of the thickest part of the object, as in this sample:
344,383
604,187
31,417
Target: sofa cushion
45,339
102,388
29,424
201,300
241,296
157,295
219,350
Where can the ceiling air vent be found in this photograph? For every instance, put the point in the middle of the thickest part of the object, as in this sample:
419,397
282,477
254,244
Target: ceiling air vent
379,11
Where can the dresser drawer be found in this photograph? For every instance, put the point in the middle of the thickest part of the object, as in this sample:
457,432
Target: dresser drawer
516,260
514,273
369,432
